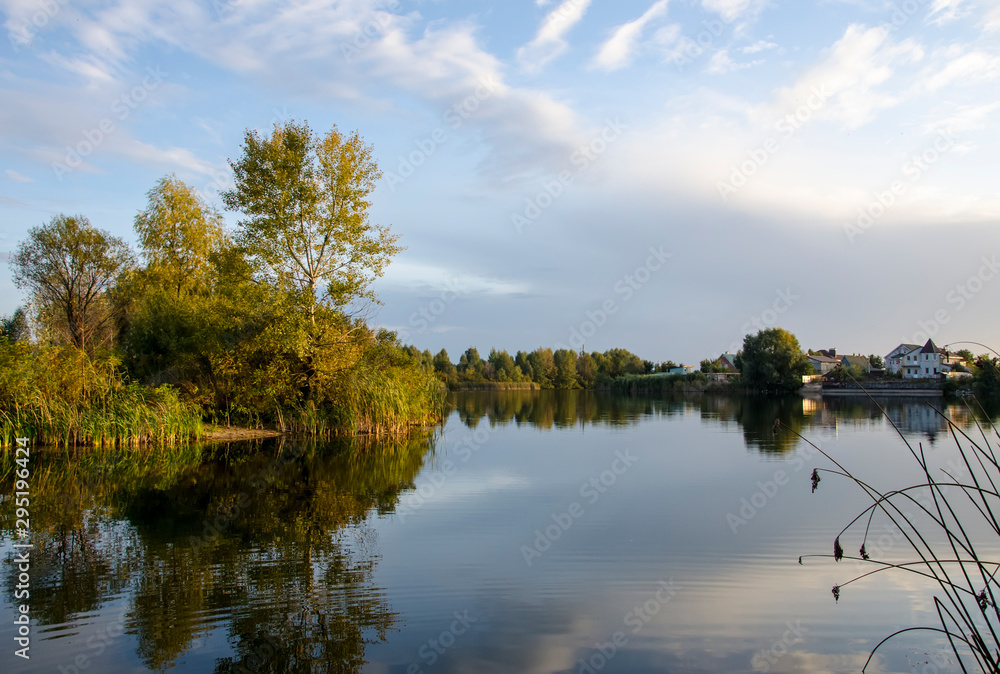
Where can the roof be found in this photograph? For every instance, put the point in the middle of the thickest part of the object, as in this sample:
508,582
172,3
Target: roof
860,361
731,357
824,359
909,348
929,347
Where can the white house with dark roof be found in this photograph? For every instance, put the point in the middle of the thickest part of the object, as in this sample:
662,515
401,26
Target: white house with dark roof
929,362
896,359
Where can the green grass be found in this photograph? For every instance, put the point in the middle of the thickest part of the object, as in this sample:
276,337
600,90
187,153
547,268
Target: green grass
58,396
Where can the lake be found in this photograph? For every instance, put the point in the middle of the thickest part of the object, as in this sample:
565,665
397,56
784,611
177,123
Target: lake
534,532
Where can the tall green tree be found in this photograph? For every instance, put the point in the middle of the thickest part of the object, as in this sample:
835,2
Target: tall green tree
178,233
565,362
586,369
504,366
70,267
543,365
16,327
304,199
773,361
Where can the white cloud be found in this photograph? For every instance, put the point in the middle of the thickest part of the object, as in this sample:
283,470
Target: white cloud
721,63
17,177
945,11
964,118
758,46
549,42
731,10
437,278
971,68
992,21
851,76
617,52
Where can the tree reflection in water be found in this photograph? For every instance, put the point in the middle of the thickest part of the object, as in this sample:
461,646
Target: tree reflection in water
266,540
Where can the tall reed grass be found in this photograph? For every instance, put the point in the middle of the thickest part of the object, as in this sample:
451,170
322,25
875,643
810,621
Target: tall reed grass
370,400
950,526
59,396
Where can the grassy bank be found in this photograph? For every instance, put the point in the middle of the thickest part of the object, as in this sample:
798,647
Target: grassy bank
495,386
59,396
675,383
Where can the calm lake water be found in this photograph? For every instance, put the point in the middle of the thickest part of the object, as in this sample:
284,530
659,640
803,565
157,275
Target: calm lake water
534,532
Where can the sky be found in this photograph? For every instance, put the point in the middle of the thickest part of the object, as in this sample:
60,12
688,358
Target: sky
661,176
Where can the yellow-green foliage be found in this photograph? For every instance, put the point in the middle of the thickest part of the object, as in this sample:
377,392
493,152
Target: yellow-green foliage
60,396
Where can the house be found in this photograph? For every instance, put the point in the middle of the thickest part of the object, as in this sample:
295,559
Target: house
860,362
896,359
929,362
823,364
728,361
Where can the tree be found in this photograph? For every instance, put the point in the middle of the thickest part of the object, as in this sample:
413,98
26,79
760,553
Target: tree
15,327
178,232
708,365
565,362
470,364
503,366
772,360
967,356
876,362
304,201
444,367
586,369
71,267
543,366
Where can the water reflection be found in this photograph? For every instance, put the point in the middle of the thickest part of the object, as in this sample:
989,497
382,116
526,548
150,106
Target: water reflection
264,557
769,425
266,541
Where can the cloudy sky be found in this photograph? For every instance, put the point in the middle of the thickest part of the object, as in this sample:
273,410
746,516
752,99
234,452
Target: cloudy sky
661,176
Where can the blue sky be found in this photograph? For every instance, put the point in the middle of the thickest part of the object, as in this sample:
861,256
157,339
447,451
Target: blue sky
661,176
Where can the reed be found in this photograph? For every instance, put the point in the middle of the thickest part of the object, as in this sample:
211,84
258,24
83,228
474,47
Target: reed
949,523
369,400
59,396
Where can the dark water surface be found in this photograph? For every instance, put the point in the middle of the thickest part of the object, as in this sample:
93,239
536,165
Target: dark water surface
535,532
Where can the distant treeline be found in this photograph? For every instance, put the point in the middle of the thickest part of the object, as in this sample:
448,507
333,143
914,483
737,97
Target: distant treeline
541,368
